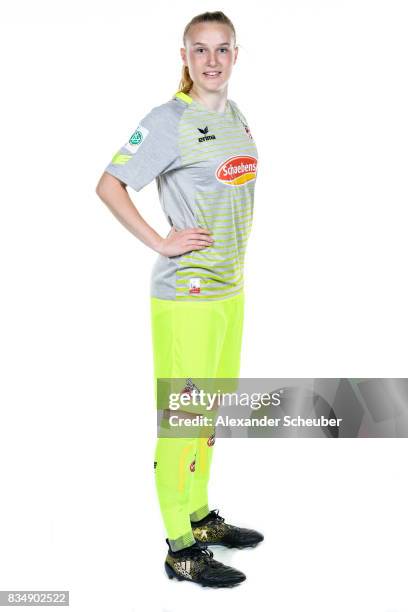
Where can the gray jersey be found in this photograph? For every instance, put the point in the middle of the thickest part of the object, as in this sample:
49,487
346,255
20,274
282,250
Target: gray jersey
205,165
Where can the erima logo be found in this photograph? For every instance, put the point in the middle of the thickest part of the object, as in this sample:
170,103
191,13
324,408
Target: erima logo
205,131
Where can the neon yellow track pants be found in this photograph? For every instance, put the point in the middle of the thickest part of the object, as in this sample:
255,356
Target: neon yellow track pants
191,340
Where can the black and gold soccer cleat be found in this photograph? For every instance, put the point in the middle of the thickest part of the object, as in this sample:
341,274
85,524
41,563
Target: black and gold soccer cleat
196,563
213,529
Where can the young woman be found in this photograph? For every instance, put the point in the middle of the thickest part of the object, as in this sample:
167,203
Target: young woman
200,150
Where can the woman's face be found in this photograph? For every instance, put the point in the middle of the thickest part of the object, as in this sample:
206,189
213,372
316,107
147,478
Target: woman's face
209,49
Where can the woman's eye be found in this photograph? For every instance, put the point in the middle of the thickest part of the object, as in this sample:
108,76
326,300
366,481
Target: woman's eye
201,49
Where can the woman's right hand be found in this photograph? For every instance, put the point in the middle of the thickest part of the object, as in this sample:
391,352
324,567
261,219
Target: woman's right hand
178,242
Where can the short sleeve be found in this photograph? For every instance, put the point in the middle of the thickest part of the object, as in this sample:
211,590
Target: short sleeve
151,150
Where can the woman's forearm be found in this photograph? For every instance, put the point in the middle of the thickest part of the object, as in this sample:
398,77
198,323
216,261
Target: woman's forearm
114,194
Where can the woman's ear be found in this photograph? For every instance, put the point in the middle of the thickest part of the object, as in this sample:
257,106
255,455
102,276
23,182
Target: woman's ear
183,55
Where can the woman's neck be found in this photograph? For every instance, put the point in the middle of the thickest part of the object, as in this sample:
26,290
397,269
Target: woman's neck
215,101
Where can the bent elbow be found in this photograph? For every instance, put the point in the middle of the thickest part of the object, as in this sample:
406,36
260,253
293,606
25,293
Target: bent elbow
99,187
103,185
106,183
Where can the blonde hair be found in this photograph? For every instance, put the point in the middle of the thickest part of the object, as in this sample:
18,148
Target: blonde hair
186,81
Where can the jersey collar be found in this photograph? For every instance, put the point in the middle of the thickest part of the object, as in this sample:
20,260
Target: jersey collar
189,100
183,96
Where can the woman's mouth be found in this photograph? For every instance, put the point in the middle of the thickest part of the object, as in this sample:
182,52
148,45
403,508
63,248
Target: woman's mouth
212,74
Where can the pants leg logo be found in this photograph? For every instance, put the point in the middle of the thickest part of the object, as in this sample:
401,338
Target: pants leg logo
211,440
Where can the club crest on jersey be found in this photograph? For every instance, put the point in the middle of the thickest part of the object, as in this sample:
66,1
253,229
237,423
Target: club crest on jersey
248,131
246,127
136,139
206,136
237,170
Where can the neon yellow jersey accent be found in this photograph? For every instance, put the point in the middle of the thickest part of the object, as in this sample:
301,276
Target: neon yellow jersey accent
120,159
183,96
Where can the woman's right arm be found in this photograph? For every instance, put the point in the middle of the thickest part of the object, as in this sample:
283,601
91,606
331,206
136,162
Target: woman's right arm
114,194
